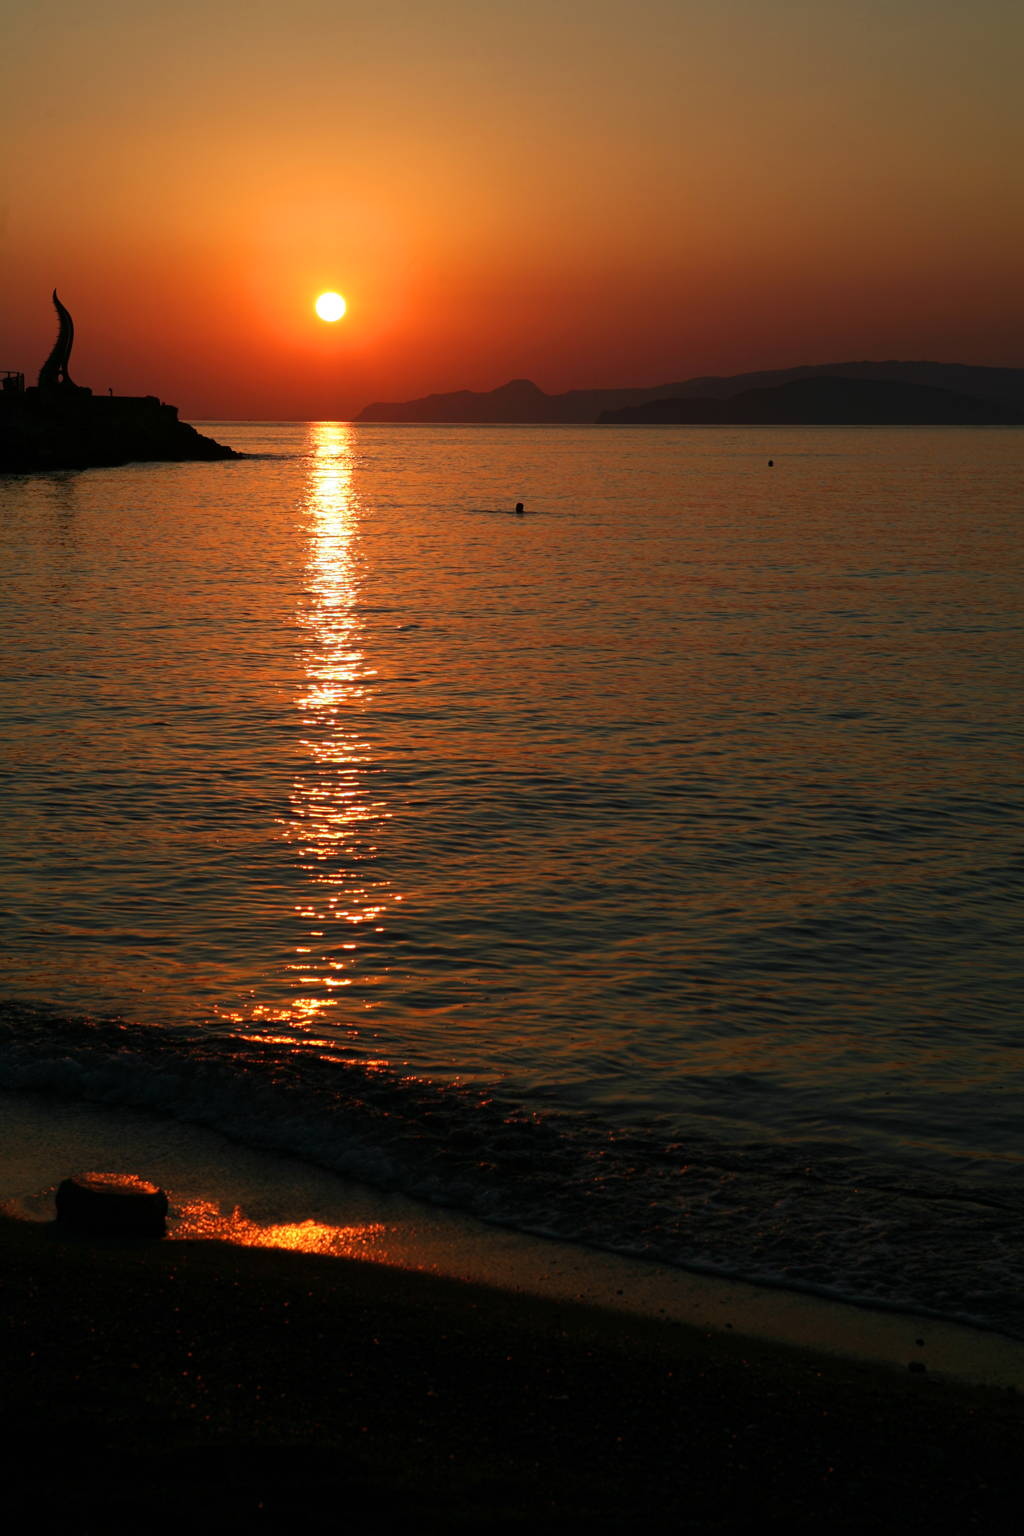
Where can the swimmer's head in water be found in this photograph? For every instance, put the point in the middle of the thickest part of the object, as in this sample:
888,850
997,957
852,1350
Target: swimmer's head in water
519,506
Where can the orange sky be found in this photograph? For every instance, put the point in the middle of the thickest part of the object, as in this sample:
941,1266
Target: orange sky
579,192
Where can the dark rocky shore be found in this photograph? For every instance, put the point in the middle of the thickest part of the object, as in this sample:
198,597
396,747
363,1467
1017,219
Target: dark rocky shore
59,424
79,430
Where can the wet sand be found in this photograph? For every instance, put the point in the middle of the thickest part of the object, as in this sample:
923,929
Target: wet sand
204,1381
220,1190
303,1346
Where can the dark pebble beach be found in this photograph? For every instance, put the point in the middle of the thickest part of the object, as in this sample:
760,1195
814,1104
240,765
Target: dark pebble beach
163,1383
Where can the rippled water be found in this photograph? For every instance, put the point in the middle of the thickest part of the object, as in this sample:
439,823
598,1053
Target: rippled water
645,869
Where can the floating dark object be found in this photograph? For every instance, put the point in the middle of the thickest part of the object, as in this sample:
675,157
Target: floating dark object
112,1205
771,463
519,507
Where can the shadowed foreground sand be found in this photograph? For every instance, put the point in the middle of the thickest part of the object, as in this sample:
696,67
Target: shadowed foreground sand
167,1382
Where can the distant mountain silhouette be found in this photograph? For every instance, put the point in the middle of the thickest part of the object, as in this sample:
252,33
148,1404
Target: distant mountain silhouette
522,401
824,401
519,401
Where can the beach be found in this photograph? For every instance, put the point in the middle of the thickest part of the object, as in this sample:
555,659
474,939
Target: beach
304,1346
228,1385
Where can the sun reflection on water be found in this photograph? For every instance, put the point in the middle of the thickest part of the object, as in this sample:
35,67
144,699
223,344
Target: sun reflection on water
202,1219
334,818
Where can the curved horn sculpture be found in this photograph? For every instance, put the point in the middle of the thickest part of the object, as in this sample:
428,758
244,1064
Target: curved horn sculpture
54,372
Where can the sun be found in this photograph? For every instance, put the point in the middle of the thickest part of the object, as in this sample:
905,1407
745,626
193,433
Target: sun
330,306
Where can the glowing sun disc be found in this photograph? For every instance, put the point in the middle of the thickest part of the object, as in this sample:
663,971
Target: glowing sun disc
330,306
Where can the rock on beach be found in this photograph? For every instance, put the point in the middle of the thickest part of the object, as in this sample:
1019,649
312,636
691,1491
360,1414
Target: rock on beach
112,1205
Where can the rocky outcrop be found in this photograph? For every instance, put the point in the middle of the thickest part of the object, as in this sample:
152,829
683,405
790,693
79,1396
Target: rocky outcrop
61,425
112,1205
78,430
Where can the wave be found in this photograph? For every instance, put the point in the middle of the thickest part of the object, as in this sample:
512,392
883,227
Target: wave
818,1218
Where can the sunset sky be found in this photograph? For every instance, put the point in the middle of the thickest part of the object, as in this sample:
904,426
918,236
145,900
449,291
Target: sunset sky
574,191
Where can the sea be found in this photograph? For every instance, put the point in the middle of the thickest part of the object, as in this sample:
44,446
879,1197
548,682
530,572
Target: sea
642,870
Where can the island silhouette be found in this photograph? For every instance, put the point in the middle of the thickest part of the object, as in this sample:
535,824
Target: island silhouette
823,402
521,401
58,424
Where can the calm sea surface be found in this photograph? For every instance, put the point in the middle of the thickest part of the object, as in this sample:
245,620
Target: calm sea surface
645,869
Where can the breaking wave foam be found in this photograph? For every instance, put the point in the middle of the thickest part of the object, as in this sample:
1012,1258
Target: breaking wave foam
821,1220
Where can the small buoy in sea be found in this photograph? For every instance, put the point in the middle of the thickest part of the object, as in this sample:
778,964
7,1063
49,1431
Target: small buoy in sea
771,463
519,508
112,1205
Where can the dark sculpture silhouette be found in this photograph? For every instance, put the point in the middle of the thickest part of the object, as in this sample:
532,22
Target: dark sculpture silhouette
54,372
58,424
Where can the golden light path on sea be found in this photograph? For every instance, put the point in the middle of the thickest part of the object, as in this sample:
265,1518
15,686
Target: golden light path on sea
202,1219
332,814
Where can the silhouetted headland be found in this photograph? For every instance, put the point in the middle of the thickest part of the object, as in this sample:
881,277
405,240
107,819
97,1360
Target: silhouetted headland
61,425
825,402
522,402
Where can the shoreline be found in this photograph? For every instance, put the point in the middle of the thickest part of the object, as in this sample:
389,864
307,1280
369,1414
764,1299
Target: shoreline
238,1196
